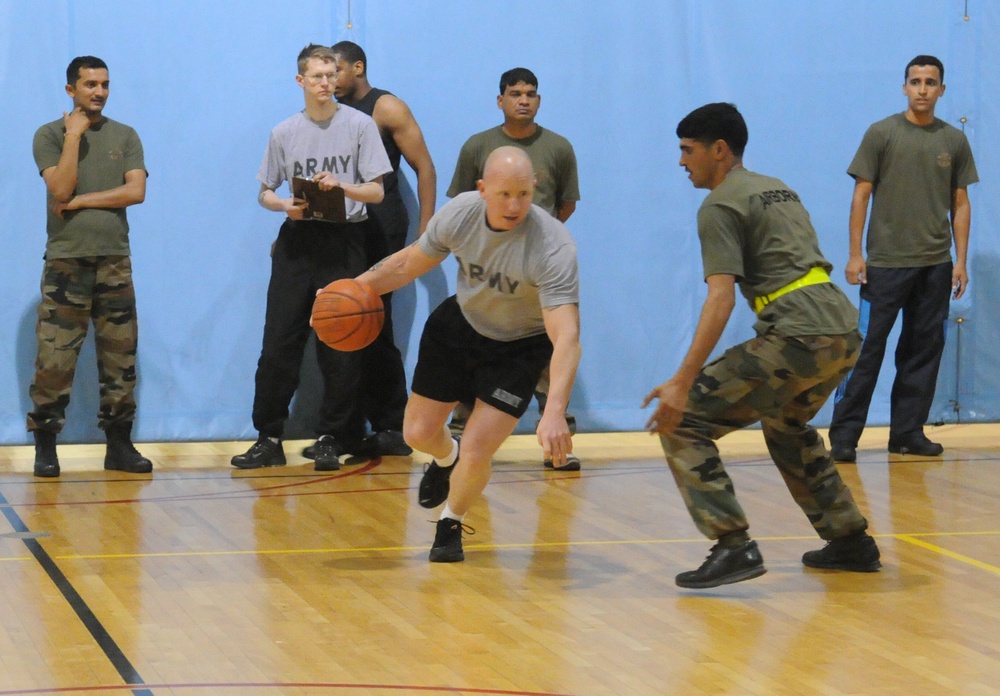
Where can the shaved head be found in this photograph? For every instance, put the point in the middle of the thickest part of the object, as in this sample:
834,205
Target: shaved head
508,161
507,186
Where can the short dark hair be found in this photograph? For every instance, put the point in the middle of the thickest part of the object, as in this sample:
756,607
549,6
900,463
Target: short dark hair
352,53
718,121
313,51
82,62
922,61
515,75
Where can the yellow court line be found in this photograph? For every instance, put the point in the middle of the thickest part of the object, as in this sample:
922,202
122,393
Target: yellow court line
910,538
950,554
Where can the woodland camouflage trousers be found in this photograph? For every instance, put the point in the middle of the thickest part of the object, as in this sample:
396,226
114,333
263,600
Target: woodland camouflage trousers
781,382
75,292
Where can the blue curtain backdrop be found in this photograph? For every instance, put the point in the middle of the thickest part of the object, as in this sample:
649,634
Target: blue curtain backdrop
204,82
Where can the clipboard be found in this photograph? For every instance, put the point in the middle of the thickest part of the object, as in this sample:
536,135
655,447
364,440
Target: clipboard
326,206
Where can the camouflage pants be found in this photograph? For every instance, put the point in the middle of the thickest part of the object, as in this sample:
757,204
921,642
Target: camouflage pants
74,293
781,382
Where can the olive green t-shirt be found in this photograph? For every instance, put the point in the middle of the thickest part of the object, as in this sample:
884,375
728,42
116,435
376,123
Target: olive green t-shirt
551,155
107,150
913,170
755,228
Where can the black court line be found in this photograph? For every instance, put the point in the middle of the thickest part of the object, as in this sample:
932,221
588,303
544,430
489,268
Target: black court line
104,640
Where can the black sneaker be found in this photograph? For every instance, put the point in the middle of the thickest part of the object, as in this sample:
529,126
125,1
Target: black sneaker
435,484
261,453
724,566
389,443
46,459
843,453
326,453
857,552
572,464
447,546
384,443
917,444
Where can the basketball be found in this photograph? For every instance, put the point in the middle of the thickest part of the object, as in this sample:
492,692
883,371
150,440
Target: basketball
347,315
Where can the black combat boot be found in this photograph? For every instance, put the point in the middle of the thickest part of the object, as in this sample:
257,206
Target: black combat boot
46,461
121,454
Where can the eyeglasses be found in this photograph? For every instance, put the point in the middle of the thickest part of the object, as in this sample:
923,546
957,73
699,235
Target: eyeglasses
316,79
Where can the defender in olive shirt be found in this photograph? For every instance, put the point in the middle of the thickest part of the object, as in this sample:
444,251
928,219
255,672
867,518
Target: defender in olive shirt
754,231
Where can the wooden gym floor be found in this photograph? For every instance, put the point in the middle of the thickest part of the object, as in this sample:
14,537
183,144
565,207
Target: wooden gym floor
199,579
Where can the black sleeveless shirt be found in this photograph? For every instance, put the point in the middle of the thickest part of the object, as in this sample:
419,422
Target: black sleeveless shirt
367,105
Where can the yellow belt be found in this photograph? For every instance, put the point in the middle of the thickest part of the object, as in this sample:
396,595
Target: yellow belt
815,276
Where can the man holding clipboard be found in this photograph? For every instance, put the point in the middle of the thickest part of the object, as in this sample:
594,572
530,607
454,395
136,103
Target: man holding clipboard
326,204
334,148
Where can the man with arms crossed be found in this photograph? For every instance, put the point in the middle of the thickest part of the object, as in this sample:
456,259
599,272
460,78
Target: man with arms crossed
754,231
93,169
515,311
556,189
336,147
916,168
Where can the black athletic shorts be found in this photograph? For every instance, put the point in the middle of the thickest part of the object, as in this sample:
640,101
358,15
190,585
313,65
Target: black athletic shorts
457,363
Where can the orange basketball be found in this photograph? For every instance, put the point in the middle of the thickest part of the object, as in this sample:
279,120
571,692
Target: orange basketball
347,315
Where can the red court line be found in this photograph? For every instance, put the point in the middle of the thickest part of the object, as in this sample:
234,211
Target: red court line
283,685
254,492
262,492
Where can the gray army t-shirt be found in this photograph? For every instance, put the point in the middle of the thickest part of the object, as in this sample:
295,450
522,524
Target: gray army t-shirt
505,278
348,145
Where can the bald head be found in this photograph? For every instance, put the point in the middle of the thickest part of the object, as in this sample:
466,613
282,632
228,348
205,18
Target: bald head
507,186
508,161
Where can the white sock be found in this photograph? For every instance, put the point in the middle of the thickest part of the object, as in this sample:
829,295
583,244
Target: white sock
450,460
447,513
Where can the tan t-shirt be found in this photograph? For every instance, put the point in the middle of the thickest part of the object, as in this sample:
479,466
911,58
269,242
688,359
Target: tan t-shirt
913,170
755,228
107,150
551,155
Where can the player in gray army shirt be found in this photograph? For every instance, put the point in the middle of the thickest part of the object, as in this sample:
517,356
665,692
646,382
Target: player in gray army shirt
515,310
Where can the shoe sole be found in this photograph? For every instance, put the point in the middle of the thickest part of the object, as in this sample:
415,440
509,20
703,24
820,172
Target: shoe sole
748,574
442,554
425,498
849,567
257,466
325,465
912,453
128,470
47,474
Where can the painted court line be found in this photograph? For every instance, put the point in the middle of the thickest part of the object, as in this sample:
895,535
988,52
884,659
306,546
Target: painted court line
910,539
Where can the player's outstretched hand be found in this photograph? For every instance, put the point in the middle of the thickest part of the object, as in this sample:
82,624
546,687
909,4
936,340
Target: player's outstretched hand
554,437
670,410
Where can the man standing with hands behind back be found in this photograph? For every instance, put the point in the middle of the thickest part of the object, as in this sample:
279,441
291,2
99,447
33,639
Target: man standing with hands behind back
916,168
93,169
